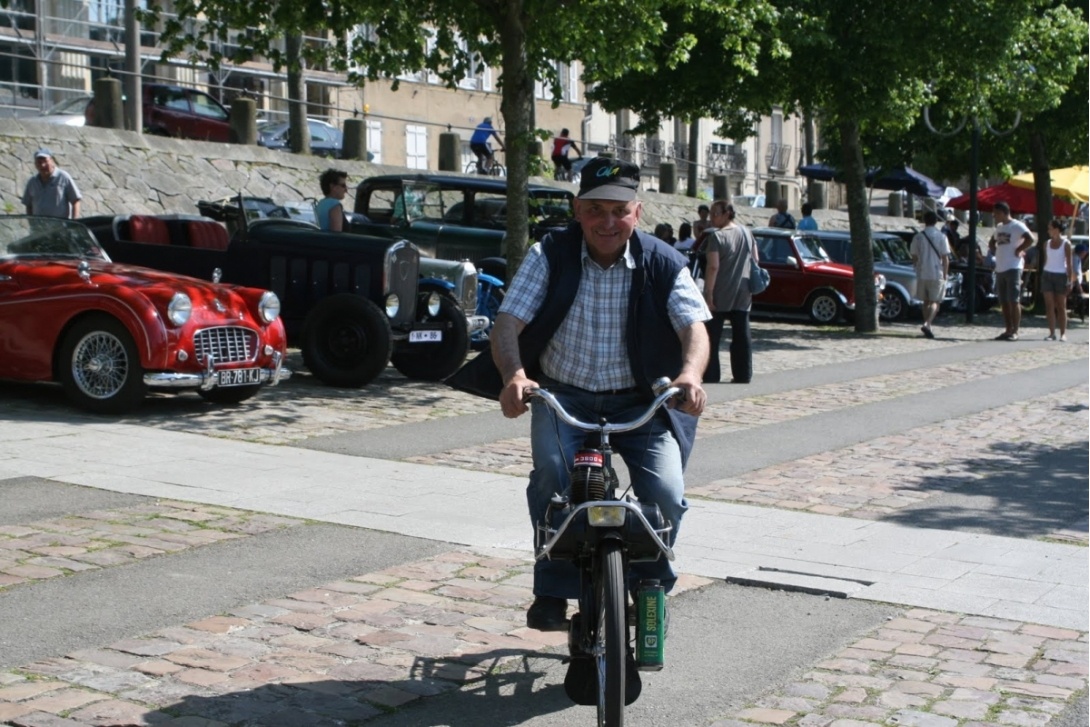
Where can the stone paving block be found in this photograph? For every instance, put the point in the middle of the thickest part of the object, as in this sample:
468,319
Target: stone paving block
766,716
912,718
157,667
10,710
64,700
1020,718
304,621
902,700
119,712
44,719
205,659
27,690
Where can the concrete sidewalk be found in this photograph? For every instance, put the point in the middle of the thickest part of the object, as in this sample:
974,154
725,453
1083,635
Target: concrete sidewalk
970,573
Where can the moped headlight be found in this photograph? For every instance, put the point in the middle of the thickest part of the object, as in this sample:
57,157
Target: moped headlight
606,516
880,281
433,304
269,307
393,305
179,309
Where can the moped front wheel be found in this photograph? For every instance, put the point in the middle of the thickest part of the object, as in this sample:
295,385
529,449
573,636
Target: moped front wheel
611,637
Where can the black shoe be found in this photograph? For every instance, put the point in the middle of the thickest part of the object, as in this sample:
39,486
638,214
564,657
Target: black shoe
548,613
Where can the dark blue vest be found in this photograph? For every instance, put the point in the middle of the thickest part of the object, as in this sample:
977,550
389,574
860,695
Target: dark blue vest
654,349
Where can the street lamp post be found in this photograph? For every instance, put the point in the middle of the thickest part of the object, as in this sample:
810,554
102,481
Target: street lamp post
974,166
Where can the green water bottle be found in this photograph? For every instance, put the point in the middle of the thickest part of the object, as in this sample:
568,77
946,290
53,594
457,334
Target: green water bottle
650,625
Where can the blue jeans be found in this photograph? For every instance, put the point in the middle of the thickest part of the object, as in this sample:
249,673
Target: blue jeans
650,452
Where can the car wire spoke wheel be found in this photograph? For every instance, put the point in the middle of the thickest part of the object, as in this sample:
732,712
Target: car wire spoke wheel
100,365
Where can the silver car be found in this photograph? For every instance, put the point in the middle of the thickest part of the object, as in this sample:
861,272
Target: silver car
891,259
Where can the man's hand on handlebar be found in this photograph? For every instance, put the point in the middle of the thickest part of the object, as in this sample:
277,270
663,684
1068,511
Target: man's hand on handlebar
695,396
515,394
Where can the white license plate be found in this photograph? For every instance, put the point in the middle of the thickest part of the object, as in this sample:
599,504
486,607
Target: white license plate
239,377
425,336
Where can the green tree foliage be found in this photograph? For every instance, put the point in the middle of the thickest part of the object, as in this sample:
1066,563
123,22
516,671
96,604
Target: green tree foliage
865,70
712,61
524,38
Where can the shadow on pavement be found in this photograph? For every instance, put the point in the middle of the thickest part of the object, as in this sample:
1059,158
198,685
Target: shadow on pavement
282,405
1021,490
494,691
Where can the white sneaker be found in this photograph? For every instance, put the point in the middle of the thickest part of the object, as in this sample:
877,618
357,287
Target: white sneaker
1050,337
1063,338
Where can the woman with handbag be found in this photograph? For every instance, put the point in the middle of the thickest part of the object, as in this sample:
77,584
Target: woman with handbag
731,264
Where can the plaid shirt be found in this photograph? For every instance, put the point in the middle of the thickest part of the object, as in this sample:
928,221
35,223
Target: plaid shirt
588,350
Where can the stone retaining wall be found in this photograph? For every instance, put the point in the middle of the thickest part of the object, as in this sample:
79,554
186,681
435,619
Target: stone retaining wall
124,172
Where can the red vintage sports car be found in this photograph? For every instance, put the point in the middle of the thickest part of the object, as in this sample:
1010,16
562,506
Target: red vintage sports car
109,333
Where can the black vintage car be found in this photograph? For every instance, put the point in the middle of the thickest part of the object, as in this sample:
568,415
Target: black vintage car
351,303
454,217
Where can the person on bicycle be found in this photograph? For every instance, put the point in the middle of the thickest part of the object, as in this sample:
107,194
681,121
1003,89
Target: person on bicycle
480,145
595,314
561,145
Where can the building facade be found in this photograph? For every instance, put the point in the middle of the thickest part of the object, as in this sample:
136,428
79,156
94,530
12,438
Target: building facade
54,50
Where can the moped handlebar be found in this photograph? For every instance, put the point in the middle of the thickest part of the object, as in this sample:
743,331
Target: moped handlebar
665,392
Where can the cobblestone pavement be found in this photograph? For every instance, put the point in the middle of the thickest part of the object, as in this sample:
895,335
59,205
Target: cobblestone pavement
512,456
875,478
355,649
303,408
934,669
106,538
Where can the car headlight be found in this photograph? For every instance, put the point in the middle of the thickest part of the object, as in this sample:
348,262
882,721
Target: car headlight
606,516
269,307
179,309
880,281
433,304
393,305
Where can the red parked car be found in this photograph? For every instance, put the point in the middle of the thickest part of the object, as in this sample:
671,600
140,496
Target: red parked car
185,113
108,333
803,277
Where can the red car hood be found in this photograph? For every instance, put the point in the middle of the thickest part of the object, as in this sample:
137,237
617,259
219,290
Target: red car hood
838,269
40,273
155,284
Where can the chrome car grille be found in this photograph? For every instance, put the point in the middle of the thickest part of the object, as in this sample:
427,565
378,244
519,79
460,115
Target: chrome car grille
469,293
226,344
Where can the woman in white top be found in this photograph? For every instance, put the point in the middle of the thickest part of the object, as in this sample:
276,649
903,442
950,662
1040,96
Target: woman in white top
1057,279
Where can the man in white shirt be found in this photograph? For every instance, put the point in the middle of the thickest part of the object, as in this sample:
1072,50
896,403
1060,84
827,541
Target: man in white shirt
931,257
1009,244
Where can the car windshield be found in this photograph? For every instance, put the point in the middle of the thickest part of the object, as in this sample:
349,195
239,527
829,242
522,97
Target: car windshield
30,238
549,206
71,106
419,201
896,248
811,250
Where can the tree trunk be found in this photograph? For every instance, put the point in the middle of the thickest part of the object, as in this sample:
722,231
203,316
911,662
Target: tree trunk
1042,184
693,178
299,134
866,299
517,109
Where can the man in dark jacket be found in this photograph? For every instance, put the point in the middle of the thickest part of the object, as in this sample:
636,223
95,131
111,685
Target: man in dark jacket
595,314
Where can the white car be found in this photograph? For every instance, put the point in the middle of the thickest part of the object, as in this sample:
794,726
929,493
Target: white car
748,200
70,112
